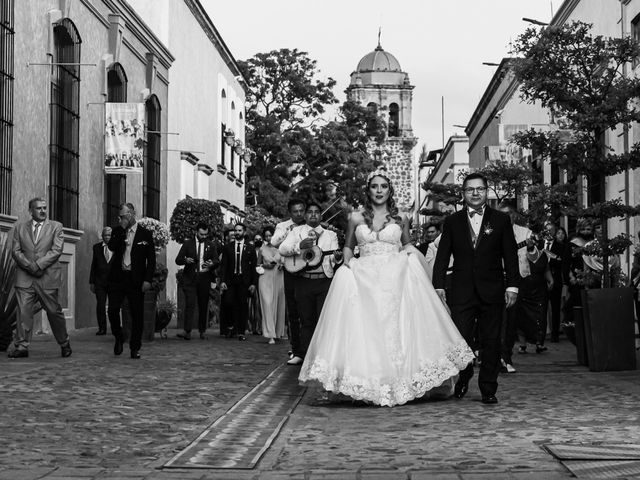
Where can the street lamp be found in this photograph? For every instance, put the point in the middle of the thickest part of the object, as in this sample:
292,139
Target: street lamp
491,64
246,155
535,22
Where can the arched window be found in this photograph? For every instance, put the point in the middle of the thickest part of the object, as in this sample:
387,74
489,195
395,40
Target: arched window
240,129
232,165
7,32
223,126
65,123
115,186
151,186
371,124
393,120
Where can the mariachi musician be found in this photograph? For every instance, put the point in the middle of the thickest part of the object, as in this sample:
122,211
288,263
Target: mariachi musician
319,247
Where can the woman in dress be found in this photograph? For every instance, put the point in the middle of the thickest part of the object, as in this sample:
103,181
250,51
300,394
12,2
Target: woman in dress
271,288
383,335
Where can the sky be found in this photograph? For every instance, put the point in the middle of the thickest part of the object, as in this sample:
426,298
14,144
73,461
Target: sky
441,44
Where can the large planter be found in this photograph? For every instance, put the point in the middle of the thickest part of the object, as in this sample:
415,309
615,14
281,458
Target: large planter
580,336
609,329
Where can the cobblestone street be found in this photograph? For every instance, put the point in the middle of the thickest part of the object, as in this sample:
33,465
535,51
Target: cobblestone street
99,416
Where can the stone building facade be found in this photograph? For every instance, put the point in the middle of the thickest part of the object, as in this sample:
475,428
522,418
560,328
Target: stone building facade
379,83
67,58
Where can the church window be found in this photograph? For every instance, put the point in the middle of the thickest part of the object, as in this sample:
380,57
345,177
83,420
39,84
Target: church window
371,123
393,120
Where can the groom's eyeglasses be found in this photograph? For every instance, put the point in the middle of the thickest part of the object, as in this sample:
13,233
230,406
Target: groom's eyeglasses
477,189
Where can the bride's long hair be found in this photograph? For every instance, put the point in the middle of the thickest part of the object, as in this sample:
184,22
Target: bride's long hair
392,209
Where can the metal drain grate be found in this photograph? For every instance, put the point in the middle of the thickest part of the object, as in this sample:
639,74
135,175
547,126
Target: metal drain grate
240,437
567,451
604,469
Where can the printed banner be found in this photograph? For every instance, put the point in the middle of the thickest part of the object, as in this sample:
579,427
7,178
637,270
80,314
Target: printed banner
124,138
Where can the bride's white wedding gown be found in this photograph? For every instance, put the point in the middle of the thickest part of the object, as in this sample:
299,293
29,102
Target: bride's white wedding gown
384,336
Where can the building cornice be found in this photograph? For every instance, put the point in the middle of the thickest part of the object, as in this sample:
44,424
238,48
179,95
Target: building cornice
135,25
214,36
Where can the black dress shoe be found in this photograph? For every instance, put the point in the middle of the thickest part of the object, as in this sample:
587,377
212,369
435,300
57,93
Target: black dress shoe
135,354
489,399
19,353
202,336
461,389
65,350
242,338
184,336
117,348
540,348
101,332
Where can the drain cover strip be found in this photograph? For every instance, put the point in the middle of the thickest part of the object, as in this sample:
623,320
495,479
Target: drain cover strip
568,451
239,438
596,469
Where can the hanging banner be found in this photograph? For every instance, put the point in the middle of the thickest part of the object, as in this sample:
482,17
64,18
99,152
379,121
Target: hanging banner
124,138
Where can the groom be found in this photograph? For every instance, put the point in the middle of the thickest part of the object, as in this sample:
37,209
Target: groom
484,254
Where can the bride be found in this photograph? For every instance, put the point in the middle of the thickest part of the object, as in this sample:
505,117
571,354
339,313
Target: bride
383,335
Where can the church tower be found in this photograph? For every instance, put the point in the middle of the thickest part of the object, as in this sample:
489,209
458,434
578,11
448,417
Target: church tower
379,83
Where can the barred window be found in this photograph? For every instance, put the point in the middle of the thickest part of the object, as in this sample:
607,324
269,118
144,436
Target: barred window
394,120
115,185
223,145
6,103
151,186
65,122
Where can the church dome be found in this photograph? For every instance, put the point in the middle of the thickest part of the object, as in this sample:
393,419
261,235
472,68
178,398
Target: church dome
378,61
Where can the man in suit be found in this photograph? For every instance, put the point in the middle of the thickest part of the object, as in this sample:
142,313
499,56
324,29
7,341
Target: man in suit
312,285
430,234
238,278
99,278
36,248
484,250
558,255
132,268
296,208
200,259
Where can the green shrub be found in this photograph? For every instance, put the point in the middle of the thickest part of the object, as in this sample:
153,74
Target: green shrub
191,211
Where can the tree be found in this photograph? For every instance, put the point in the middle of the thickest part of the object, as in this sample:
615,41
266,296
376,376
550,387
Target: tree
297,151
581,77
449,194
256,219
188,212
509,179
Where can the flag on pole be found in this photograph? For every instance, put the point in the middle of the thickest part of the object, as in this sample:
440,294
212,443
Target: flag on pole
124,138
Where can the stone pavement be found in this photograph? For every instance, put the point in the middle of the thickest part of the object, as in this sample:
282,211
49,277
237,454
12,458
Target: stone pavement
95,416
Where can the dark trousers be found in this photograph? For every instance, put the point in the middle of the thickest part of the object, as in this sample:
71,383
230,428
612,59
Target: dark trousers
555,301
509,334
292,317
226,322
310,295
489,323
135,297
237,304
197,294
101,307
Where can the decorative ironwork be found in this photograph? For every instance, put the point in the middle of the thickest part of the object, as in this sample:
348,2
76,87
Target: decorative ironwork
152,163
65,123
115,186
6,102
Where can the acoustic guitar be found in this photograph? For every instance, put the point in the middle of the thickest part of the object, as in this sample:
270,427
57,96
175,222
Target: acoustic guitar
308,258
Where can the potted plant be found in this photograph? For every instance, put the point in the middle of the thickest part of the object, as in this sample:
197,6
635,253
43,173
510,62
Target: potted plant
582,78
165,310
8,302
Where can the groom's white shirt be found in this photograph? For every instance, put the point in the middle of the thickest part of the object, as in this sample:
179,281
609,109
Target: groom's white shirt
327,241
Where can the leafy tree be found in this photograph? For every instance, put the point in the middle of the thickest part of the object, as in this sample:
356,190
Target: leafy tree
580,76
188,212
297,151
508,179
256,219
442,193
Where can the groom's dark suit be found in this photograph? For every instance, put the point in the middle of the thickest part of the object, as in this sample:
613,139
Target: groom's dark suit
478,283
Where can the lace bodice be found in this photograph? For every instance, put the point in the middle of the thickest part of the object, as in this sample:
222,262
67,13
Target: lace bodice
387,240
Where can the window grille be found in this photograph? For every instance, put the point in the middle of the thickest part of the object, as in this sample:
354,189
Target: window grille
152,163
6,103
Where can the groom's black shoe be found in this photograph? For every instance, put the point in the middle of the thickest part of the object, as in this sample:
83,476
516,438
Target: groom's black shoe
489,399
461,389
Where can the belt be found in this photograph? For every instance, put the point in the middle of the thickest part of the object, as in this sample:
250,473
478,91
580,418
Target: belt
312,276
